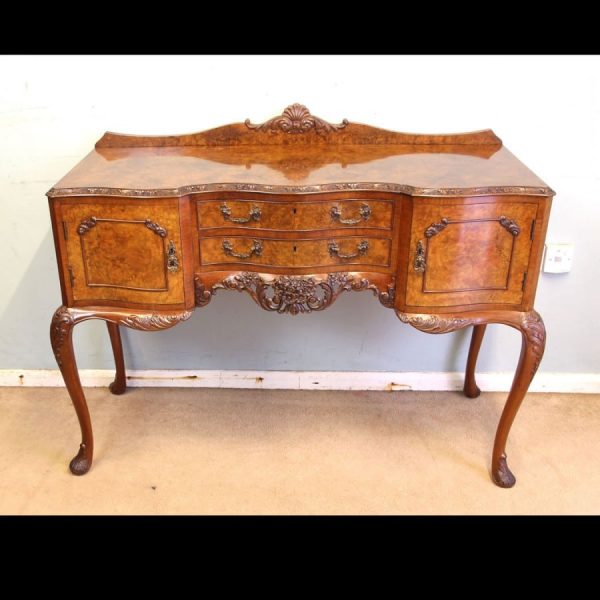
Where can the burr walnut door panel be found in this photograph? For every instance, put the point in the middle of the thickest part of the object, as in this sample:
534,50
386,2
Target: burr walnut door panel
475,254
124,252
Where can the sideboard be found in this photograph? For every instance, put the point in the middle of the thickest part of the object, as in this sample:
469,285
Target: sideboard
445,230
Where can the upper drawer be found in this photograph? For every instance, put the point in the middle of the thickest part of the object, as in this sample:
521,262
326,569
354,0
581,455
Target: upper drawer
298,216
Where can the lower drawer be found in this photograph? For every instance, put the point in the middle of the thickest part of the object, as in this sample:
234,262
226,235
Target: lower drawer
295,253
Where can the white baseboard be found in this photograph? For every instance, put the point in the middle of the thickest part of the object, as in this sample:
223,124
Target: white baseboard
582,383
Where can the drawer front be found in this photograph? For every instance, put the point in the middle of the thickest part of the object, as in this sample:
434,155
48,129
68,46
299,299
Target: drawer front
299,216
295,253
128,252
475,254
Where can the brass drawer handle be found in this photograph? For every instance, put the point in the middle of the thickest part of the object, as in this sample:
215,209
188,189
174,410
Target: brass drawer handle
420,263
253,215
172,260
364,211
256,249
361,250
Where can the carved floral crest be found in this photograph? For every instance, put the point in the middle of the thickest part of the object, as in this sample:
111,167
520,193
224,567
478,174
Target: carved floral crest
296,118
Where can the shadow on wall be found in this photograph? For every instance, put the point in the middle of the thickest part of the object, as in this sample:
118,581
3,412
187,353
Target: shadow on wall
355,334
25,322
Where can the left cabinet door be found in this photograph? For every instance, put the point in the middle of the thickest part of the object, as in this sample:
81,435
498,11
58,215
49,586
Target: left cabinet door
126,251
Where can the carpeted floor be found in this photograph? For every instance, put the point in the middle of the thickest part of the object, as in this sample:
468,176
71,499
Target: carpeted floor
198,451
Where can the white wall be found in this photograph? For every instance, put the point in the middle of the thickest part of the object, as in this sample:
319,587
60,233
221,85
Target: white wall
53,109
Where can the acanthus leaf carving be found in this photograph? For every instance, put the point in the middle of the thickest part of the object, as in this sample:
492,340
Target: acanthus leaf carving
61,325
387,298
154,322
296,118
534,330
202,295
284,294
347,282
434,323
529,323
293,294
65,319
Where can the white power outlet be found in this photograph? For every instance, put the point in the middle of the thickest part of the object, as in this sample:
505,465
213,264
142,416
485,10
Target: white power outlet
558,258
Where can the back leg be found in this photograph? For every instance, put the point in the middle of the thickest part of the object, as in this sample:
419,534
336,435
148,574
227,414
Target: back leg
119,385
471,390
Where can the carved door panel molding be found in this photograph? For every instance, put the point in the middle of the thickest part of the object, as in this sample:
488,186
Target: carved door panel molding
469,254
128,252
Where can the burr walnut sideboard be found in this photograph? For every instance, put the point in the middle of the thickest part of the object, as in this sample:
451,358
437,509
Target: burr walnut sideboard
445,230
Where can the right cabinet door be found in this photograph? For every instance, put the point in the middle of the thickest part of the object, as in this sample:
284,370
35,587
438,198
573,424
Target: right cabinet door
471,253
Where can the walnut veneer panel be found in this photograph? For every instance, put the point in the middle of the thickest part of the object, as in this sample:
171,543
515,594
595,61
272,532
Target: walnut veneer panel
300,153
119,251
470,255
404,168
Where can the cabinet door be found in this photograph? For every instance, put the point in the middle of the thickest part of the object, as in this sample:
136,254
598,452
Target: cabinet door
126,252
469,253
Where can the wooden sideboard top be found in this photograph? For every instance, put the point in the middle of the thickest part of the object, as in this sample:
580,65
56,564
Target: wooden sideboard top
300,153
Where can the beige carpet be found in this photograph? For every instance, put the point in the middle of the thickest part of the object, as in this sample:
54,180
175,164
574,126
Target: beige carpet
194,451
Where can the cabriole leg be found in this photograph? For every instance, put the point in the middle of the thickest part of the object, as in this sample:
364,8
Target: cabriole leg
61,332
61,338
533,335
471,390
119,385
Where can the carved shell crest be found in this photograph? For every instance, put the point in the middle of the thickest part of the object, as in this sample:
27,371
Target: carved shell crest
296,118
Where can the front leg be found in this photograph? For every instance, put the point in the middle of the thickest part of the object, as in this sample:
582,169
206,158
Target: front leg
533,333
61,338
533,342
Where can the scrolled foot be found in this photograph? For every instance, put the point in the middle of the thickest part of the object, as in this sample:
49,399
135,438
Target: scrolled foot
501,475
471,391
81,464
117,388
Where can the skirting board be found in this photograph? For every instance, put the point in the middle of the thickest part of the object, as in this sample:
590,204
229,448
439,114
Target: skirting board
581,383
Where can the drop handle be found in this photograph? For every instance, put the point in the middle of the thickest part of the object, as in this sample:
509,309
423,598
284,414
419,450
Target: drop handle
229,251
253,215
364,212
361,250
420,263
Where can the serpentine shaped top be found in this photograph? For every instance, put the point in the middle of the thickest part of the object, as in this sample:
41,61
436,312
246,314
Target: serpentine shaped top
297,152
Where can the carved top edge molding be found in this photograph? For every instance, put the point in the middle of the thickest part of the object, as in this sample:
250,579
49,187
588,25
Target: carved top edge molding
293,125
296,119
301,189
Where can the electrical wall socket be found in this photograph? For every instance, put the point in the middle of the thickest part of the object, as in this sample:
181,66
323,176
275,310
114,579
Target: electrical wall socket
558,258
